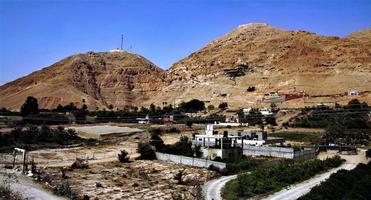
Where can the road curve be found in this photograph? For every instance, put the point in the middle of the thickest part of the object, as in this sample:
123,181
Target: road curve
212,189
26,188
295,191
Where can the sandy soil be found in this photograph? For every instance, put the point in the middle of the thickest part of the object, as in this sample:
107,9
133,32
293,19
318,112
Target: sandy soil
97,131
136,180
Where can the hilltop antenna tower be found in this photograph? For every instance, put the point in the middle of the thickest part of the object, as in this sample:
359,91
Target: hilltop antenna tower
122,40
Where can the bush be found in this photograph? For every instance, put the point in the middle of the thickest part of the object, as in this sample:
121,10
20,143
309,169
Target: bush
123,156
368,153
182,147
210,107
146,151
80,164
179,176
65,190
157,141
189,123
251,89
213,168
223,105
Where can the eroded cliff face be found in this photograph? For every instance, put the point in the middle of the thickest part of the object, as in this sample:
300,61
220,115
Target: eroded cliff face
99,79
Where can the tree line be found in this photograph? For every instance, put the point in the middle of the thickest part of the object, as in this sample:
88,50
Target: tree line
20,136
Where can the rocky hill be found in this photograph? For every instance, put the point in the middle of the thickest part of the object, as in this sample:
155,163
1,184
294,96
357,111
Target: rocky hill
253,55
273,60
97,79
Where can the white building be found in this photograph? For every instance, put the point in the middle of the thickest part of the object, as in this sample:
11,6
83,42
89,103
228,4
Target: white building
228,144
353,92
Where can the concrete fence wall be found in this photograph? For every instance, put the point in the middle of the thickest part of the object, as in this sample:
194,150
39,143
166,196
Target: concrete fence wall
307,153
185,160
281,152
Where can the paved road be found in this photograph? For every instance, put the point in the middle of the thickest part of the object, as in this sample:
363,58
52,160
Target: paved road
213,188
298,190
27,188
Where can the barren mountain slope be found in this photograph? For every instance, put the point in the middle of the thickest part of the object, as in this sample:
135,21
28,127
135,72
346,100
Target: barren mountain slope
119,78
273,60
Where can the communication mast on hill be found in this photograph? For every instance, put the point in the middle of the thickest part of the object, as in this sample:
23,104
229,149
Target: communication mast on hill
122,40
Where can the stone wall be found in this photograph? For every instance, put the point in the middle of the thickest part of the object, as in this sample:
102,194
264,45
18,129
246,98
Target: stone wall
185,160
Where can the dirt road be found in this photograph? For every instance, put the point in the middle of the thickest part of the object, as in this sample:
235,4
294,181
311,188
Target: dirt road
26,187
295,191
213,188
298,190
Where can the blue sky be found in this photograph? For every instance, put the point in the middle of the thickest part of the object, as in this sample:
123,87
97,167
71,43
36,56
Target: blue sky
37,33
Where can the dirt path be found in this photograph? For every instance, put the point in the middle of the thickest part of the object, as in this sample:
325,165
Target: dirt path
26,187
212,189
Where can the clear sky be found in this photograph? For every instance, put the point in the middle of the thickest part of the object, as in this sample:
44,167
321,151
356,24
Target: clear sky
37,33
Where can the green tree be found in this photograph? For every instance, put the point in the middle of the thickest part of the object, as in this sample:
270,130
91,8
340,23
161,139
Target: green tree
194,105
30,106
146,151
157,141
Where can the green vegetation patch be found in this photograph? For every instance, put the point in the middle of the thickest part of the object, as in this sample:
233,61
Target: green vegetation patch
298,136
273,178
344,185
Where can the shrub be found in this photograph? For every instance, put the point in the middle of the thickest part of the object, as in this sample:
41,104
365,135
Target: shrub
123,156
157,141
197,150
64,189
210,107
80,164
146,151
179,176
213,168
251,89
189,123
182,147
218,159
368,153
223,105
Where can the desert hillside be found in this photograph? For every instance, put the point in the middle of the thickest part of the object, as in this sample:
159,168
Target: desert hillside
273,60
267,58
98,79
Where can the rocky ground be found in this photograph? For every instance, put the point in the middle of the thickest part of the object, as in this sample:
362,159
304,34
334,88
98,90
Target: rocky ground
135,180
